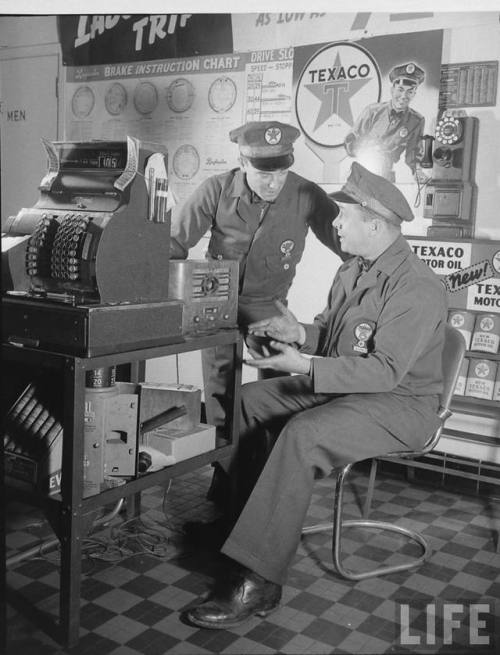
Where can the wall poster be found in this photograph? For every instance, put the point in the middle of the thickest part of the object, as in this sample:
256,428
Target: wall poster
470,270
344,89
471,84
114,38
190,104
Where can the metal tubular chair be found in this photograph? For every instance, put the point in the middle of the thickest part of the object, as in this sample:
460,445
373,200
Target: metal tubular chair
453,354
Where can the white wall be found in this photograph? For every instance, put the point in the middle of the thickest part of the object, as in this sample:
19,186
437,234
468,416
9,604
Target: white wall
21,31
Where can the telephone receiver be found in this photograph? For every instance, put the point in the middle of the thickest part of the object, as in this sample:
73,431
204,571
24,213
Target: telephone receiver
449,134
426,160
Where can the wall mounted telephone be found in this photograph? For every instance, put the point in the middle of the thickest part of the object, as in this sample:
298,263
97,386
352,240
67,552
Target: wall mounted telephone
450,195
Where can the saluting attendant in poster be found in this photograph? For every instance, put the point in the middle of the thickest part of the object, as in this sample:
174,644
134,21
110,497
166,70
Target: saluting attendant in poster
368,100
386,130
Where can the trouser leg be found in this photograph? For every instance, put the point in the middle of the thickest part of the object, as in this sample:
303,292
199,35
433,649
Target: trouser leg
217,365
312,443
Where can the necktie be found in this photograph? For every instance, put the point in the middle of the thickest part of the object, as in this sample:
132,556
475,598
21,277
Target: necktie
364,265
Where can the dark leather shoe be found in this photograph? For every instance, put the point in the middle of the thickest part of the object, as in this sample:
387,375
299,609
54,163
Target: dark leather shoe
248,594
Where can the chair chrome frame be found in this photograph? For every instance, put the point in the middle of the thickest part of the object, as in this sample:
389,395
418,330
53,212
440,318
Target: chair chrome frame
453,354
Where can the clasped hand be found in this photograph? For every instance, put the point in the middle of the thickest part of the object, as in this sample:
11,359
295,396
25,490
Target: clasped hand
281,330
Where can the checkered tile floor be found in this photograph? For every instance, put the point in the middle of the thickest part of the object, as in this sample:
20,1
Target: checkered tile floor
131,606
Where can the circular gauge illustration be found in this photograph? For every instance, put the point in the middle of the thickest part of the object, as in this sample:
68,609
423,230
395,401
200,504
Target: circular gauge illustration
83,101
145,97
180,95
115,99
186,162
222,94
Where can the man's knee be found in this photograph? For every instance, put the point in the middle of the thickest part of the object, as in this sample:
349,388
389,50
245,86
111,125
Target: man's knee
251,401
297,433
311,443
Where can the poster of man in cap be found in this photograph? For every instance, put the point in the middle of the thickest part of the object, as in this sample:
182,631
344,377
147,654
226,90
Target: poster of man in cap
385,131
368,100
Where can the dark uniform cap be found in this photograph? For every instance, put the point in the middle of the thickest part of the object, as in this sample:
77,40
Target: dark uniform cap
409,73
375,193
267,144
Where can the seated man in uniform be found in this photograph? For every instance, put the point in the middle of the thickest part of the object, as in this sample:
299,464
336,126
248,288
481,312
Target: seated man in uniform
385,130
371,387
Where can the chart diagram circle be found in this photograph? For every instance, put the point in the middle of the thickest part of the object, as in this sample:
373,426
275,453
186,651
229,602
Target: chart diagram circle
145,97
222,94
83,101
115,99
186,162
180,95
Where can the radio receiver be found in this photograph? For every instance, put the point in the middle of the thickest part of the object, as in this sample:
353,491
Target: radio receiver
209,289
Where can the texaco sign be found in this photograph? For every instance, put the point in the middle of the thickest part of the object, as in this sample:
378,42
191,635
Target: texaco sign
337,83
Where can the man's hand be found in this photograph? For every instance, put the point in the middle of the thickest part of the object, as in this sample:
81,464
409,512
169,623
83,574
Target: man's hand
282,358
283,327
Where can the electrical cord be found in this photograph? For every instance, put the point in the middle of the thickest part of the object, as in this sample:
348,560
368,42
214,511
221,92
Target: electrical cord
420,188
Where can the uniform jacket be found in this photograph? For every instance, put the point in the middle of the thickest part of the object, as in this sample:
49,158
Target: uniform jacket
383,335
396,132
269,249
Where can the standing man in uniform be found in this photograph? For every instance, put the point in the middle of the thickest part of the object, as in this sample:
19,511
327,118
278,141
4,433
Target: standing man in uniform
385,130
372,387
258,215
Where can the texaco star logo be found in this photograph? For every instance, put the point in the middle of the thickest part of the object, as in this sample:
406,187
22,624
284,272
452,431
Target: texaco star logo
496,261
457,320
482,370
272,135
486,324
337,83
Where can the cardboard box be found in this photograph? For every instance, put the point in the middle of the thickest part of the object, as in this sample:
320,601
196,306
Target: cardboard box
182,444
157,397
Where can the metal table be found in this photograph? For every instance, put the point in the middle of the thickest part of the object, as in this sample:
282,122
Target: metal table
66,511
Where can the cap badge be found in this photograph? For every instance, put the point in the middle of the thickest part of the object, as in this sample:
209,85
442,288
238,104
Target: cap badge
272,135
410,69
286,247
403,132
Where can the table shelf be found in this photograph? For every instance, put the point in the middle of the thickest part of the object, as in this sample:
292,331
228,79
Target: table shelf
66,510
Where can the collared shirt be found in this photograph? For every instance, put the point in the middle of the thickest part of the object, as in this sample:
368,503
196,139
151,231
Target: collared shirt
396,132
386,333
268,248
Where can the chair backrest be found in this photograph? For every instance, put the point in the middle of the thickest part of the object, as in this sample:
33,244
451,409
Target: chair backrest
452,357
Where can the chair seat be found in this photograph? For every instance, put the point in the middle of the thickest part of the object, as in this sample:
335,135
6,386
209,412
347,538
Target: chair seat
453,354
339,524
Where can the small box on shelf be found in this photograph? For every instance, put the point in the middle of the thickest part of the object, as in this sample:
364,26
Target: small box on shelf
481,379
486,335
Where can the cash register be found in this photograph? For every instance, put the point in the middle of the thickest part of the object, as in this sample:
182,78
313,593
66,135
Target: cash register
86,269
